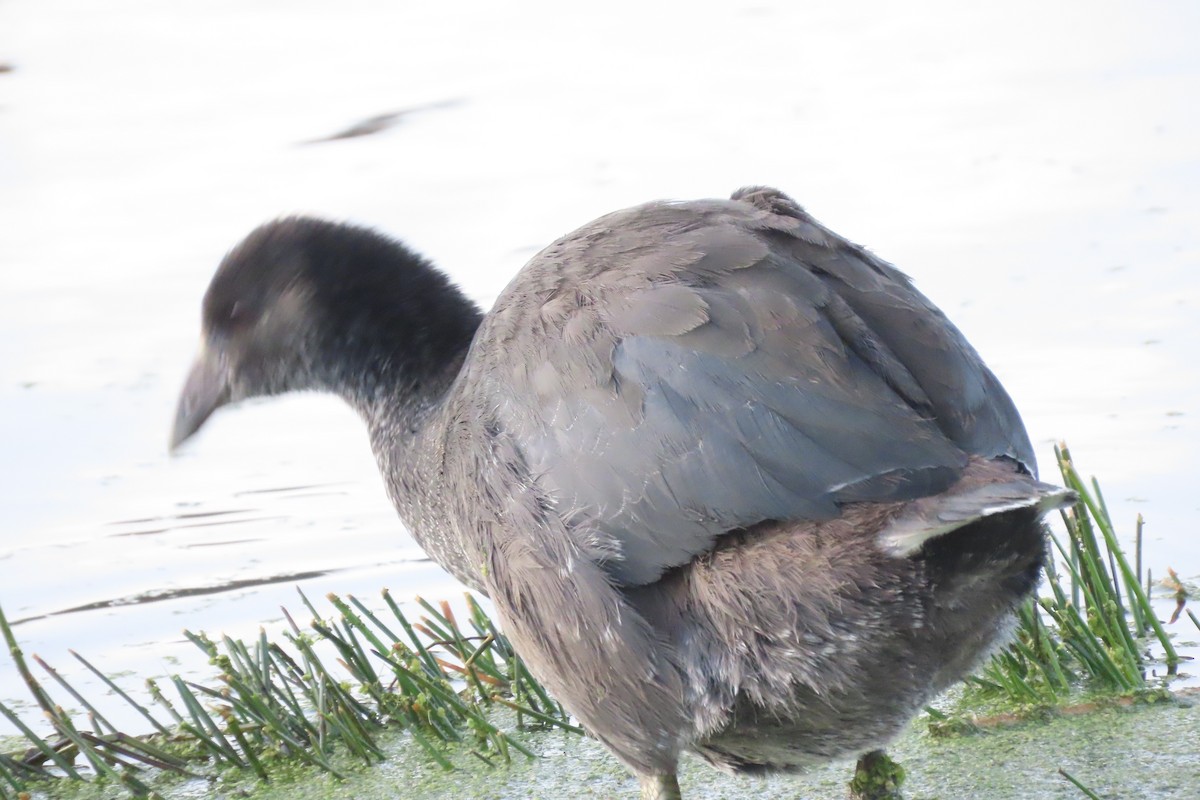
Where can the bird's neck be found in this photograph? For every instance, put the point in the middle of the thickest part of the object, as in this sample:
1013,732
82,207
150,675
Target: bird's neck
389,330
403,397
400,392
408,438
391,336
393,353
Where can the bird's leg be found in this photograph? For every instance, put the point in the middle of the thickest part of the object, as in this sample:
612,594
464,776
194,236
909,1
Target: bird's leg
660,787
876,777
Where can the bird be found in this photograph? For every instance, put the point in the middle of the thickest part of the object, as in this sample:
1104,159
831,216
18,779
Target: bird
733,485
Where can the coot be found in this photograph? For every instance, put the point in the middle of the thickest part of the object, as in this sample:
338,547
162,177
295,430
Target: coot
733,485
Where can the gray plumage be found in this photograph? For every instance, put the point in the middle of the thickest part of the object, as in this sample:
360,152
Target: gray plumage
732,483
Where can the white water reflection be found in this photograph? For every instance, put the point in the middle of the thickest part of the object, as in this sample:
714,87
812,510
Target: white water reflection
1034,166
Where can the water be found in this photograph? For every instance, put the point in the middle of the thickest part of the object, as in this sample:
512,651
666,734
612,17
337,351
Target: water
1034,168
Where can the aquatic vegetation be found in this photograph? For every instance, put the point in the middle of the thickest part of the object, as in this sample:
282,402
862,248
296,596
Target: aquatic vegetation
298,698
1096,630
333,686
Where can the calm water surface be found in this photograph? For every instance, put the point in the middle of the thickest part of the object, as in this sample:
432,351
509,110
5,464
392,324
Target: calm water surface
1037,170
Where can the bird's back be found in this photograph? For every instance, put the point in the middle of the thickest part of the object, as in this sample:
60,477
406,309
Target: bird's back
675,371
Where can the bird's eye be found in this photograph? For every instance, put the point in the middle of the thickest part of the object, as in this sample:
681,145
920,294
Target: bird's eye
245,313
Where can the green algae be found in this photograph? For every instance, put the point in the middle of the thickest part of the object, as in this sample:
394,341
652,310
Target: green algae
1122,752
1137,751
877,777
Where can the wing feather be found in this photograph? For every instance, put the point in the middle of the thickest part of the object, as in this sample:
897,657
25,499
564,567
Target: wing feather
675,371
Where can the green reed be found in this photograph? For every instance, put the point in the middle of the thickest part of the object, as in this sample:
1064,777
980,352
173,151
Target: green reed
1095,629
303,697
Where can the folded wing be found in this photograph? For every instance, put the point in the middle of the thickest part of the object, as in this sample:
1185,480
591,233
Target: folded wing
679,370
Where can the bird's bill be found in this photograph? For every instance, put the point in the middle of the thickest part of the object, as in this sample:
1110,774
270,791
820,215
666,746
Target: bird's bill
206,390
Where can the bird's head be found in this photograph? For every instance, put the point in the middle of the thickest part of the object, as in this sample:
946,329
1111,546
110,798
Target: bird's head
257,323
303,303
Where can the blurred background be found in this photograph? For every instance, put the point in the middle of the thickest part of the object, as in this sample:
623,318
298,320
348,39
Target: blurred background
1035,167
